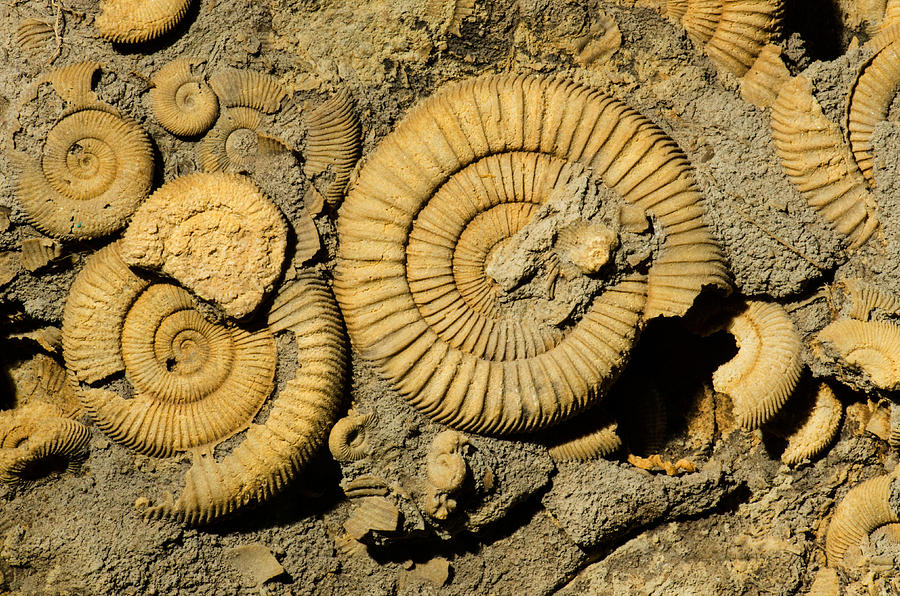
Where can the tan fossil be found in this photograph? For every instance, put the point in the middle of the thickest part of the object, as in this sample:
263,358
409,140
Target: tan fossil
461,10
74,85
36,435
38,252
348,439
599,44
232,143
94,170
216,234
272,453
765,370
458,175
446,471
818,428
870,346
762,83
863,299
137,21
43,379
333,143
593,434
865,508
248,89
181,100
378,514
32,35
819,164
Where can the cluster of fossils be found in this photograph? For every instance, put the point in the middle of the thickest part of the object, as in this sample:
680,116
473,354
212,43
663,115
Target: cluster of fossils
500,252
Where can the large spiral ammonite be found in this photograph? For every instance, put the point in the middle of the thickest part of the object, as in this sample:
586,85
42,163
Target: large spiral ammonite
95,170
465,170
195,382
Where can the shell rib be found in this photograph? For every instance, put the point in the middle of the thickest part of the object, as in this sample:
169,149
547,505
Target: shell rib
34,434
489,149
866,298
95,170
183,102
744,28
819,164
219,150
700,19
333,143
217,234
42,379
33,34
74,84
594,434
870,100
762,83
271,454
347,440
871,346
764,372
248,89
137,21
817,431
865,508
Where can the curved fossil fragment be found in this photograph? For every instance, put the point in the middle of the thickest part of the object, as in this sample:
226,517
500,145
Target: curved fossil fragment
600,43
819,164
42,379
767,366
74,84
866,299
182,101
744,28
871,346
217,234
35,435
38,252
698,17
271,454
865,508
333,143
137,21
231,143
33,34
248,89
762,83
817,431
461,173
446,471
348,440
593,434
94,171
870,100
461,10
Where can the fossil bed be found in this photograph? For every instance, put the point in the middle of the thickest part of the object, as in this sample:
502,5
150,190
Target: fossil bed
743,523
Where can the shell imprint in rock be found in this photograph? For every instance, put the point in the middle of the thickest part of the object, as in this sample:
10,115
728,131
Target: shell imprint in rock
248,89
819,164
74,84
870,100
217,234
137,21
593,434
460,174
297,426
38,252
195,382
33,34
767,366
34,435
600,43
871,346
182,101
865,508
348,440
232,142
333,142
95,170
866,299
42,379
461,10
818,429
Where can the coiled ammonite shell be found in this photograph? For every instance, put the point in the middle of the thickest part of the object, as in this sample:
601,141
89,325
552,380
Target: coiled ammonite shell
37,434
819,164
136,21
195,382
233,142
870,346
348,440
182,101
463,172
767,366
217,234
865,508
95,170
333,143
271,454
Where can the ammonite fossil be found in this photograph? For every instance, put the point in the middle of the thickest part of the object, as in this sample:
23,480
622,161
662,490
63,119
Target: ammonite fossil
333,143
248,89
862,300
271,454
870,346
461,174
348,440
74,85
94,171
34,435
33,34
195,382
818,428
182,101
767,366
819,164
762,83
593,434
217,234
137,21
865,508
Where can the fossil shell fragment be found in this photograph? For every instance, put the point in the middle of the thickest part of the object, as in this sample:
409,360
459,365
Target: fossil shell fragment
333,143
871,346
347,440
767,366
594,434
865,508
819,429
95,170
600,43
33,34
37,252
74,84
762,83
894,437
699,18
446,471
248,89
866,299
490,150
373,513
461,10
819,164
231,143
137,21
217,234
870,100
182,101
42,379
271,454
35,434
366,486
